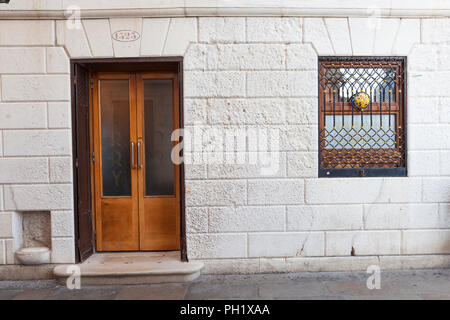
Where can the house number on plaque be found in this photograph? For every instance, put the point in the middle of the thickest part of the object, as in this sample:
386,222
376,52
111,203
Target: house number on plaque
125,35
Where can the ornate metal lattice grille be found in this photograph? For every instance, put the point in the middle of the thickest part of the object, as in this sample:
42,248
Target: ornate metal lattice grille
362,116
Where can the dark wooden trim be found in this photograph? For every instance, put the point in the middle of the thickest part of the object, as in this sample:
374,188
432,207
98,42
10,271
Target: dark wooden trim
88,61
74,169
89,64
183,242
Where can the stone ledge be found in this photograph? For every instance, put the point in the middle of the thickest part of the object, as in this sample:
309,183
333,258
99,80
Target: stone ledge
133,268
18,272
196,8
323,264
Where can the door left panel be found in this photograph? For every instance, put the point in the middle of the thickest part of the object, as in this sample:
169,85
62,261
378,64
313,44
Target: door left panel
116,180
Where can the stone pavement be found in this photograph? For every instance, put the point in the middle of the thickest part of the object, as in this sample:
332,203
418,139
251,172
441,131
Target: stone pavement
412,284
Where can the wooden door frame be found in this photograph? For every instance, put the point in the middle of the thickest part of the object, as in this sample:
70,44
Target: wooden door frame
114,64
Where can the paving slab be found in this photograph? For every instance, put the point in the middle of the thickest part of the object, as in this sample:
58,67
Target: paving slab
395,285
87,293
8,294
208,291
155,292
293,290
33,294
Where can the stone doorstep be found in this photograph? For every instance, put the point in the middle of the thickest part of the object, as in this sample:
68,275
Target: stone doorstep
133,268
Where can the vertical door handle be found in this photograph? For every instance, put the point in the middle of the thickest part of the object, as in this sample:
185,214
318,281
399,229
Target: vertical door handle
139,154
132,155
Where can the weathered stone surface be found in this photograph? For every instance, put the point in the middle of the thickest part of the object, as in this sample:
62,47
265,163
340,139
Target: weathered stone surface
362,31
436,189
288,244
226,84
36,230
242,73
344,217
35,87
423,110
230,245
420,81
362,243
426,242
6,226
59,115
423,163
222,30
339,32
27,33
301,57
404,216
98,34
195,111
435,30
195,171
23,170
57,60
181,32
154,33
251,57
385,35
23,115
408,35
22,60
299,138
246,111
302,164
62,250
414,262
275,191
37,142
444,163
61,169
231,266
1,198
302,111
429,137
444,110
349,190
246,219
62,223
197,220
274,30
38,197
73,39
200,56
316,33
263,164
126,48
2,252
282,84
216,192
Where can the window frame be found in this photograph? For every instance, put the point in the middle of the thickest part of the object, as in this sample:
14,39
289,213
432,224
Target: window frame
402,108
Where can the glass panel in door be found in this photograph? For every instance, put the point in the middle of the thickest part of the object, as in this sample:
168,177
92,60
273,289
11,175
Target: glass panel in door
158,127
115,137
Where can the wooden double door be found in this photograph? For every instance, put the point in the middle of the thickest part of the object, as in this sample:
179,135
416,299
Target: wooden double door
136,183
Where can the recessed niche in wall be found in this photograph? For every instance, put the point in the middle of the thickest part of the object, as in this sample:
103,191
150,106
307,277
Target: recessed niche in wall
36,229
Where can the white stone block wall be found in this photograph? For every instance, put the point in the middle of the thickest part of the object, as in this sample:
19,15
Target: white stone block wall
35,157
247,73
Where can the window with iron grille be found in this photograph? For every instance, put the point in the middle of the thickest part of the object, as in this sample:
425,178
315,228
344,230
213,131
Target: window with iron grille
362,104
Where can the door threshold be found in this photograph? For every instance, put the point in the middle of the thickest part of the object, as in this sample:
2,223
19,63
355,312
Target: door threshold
133,268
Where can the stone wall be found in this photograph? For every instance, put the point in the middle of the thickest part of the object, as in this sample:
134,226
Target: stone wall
247,73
